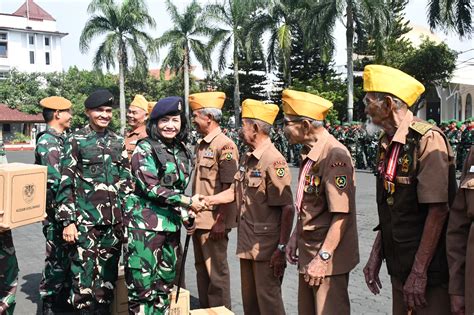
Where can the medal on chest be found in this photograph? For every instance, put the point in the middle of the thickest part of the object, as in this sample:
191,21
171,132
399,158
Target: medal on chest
311,184
209,153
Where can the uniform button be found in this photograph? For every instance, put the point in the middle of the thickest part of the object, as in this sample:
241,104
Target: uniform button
107,204
265,228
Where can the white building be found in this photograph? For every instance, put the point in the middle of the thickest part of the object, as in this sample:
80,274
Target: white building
29,40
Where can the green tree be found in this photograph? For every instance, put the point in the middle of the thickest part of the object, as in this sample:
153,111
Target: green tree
186,38
123,27
451,15
234,16
320,20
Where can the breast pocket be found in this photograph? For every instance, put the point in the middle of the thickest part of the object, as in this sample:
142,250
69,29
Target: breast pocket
207,169
91,162
116,153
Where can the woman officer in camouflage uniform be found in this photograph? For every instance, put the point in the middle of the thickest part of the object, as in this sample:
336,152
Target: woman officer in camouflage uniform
161,165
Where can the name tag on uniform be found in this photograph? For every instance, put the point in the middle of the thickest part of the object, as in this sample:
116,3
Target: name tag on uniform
208,154
255,173
471,170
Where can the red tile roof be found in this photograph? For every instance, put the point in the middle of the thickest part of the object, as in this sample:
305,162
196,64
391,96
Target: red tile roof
9,115
35,11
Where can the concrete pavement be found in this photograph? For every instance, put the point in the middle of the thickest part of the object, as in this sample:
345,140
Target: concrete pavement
29,243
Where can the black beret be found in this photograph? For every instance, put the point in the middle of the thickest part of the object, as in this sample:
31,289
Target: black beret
166,106
99,98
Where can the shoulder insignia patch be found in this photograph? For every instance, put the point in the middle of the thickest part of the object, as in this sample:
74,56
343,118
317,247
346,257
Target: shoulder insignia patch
340,181
227,147
280,171
421,127
279,164
338,164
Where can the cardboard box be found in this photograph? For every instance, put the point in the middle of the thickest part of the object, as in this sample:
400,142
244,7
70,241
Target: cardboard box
120,303
221,310
182,308
22,194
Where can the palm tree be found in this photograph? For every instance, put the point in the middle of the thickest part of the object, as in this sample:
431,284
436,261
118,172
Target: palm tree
184,39
452,14
282,19
321,18
235,16
122,26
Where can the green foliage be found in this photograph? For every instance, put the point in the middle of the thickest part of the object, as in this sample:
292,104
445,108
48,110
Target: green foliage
452,15
20,138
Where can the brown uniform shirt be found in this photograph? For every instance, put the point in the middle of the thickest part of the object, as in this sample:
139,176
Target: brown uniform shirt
329,188
216,164
262,187
433,168
460,237
131,139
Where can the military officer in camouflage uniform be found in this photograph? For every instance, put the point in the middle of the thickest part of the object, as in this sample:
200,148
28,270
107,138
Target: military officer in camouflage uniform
49,145
94,184
161,165
8,262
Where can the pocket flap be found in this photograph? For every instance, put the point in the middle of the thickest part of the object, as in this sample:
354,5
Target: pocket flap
255,181
265,228
207,162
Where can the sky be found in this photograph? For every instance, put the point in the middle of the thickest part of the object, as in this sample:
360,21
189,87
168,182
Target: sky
71,16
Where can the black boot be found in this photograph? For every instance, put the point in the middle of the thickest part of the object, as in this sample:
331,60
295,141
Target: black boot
102,309
48,305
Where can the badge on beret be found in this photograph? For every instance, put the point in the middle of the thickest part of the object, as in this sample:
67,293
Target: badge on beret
179,106
340,181
280,171
228,156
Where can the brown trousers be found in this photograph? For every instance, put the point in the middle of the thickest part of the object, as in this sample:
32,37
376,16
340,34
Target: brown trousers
437,298
212,269
261,290
330,297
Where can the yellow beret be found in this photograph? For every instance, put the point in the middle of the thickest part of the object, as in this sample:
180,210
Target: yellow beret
56,102
150,106
259,110
206,100
305,104
140,102
385,79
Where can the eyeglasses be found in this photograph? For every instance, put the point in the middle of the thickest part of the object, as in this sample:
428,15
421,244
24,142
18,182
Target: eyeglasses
289,122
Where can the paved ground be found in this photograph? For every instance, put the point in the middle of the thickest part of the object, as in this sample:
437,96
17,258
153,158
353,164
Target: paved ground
29,244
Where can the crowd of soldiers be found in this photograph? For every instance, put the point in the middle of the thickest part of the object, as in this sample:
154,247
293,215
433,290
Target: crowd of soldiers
106,192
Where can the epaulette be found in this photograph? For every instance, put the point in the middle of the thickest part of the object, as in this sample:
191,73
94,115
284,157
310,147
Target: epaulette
421,127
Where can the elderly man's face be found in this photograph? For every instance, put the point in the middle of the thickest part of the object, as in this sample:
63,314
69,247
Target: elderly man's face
247,132
293,129
200,121
136,116
375,109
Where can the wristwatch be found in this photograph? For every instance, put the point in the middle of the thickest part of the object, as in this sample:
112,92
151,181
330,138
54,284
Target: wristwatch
281,247
325,256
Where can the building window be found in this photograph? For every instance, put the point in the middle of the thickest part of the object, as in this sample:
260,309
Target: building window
46,41
3,75
31,39
468,111
3,45
47,58
7,128
32,57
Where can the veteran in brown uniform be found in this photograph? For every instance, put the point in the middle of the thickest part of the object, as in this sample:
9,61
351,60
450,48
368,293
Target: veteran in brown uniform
137,114
415,183
325,236
262,190
460,243
216,164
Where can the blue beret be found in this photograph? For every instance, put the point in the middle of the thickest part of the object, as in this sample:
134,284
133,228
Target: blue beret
166,106
99,98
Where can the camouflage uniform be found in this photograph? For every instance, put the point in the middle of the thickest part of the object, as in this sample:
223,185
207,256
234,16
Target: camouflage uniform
467,139
56,273
95,181
154,215
454,138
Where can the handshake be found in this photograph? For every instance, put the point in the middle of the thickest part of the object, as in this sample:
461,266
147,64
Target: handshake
201,203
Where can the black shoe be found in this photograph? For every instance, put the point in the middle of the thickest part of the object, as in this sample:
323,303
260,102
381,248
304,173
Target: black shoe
102,309
48,306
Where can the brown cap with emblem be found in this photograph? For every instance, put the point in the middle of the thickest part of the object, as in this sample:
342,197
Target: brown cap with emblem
56,103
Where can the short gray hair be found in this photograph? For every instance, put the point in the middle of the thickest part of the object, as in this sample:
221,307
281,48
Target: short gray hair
398,102
214,112
264,126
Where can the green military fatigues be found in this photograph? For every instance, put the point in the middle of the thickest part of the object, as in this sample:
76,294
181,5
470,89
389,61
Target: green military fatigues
154,215
95,181
8,273
56,273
